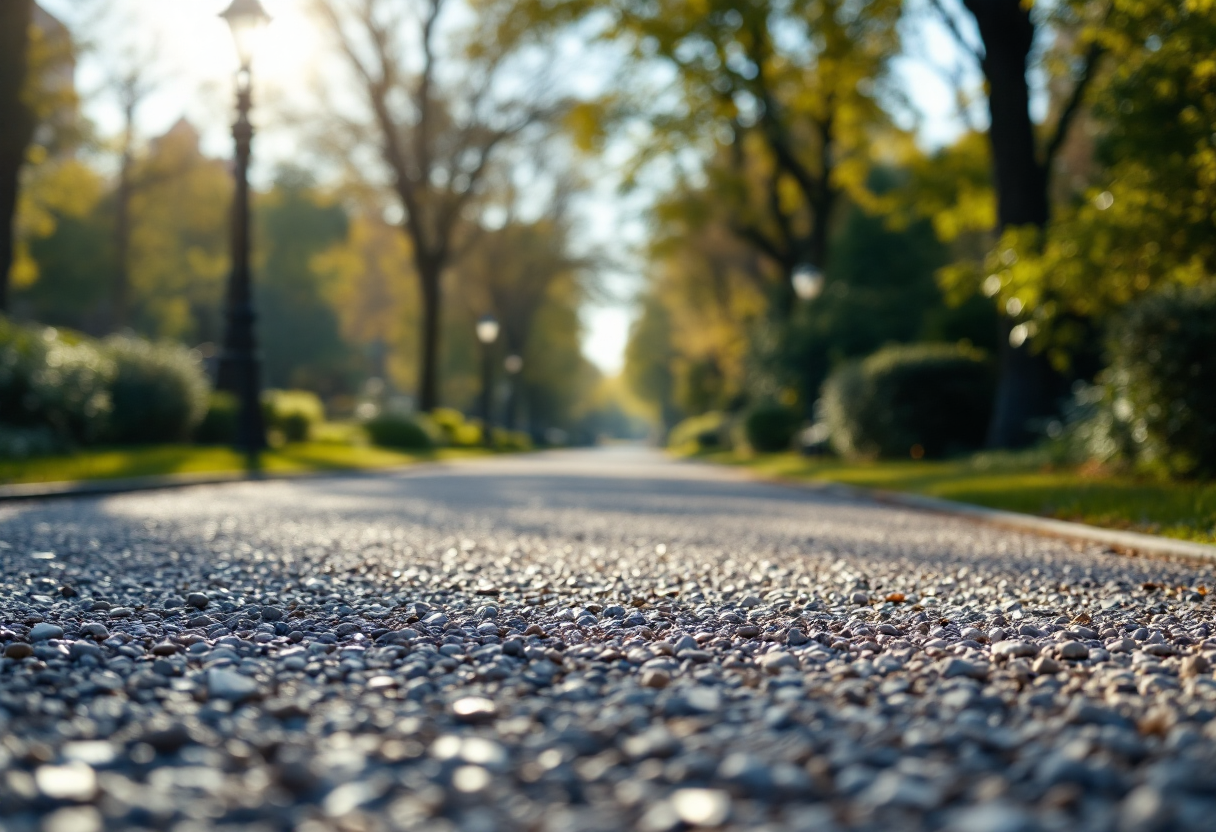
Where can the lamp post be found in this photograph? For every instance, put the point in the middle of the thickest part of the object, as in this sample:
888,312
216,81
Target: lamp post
238,370
808,282
513,364
487,334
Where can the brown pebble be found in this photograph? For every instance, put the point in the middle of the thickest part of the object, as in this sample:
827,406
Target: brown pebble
18,650
1195,665
655,678
165,648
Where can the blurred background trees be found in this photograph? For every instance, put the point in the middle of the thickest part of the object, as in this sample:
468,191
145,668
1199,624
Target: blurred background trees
447,169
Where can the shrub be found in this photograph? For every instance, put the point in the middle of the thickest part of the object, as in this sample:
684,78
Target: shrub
22,443
1162,379
771,427
707,432
511,440
159,392
393,431
1091,429
218,426
54,380
928,400
454,430
293,413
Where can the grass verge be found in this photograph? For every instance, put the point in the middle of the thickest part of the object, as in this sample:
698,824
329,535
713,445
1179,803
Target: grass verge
156,460
1182,510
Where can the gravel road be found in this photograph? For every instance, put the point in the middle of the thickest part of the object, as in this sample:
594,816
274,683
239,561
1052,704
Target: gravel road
598,640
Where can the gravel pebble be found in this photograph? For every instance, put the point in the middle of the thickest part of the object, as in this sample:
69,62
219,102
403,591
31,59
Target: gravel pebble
588,641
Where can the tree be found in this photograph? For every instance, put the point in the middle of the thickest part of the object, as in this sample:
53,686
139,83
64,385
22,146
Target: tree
1146,216
788,93
299,327
649,356
40,126
704,315
441,111
1022,168
17,118
179,257
714,289
132,87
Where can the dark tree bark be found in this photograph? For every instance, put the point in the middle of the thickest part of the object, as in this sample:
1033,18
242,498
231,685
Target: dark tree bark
16,125
119,312
430,279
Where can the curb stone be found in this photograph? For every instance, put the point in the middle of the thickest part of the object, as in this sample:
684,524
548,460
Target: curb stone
86,488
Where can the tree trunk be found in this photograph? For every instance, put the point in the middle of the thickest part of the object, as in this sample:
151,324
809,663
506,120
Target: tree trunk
1028,386
119,315
120,299
16,125
429,279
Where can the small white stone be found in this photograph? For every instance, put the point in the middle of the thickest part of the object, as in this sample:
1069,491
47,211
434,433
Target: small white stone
73,819
701,807
470,779
74,781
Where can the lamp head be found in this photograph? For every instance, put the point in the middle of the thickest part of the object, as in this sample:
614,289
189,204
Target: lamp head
808,282
487,329
513,364
247,20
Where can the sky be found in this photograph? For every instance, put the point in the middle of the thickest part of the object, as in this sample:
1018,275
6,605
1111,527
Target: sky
192,52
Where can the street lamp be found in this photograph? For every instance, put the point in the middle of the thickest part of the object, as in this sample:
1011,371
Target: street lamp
808,282
487,334
238,370
514,365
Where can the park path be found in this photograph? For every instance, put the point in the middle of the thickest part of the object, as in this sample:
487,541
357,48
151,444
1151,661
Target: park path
600,639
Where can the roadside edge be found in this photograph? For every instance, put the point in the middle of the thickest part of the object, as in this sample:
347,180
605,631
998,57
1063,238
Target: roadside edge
1122,541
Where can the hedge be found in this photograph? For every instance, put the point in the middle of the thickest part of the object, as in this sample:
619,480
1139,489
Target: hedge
923,400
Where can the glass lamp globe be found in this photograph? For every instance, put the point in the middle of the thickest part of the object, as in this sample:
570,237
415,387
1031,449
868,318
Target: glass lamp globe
247,20
513,364
808,282
487,329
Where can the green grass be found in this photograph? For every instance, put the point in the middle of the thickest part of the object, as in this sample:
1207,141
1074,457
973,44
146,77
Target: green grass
1184,510
110,463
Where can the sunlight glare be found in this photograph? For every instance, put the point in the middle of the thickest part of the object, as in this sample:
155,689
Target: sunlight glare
194,39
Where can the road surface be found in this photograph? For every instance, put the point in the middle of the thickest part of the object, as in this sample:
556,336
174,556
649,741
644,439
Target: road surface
587,640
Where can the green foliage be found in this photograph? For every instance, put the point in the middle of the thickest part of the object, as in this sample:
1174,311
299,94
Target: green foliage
218,426
780,99
158,393
74,276
1163,377
26,442
123,390
648,359
707,432
393,431
1137,209
771,427
55,380
880,288
293,413
451,426
928,400
298,326
510,440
